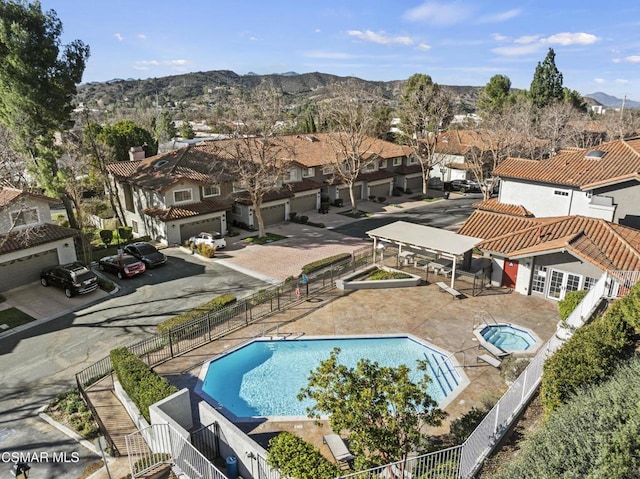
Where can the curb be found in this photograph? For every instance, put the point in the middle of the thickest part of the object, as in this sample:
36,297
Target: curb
66,431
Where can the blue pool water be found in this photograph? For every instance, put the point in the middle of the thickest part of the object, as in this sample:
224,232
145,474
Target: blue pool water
264,377
508,337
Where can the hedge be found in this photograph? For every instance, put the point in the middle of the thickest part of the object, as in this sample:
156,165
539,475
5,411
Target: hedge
297,459
142,385
570,302
215,304
323,263
592,353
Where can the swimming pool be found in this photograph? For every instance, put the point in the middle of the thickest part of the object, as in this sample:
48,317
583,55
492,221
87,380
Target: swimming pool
262,378
507,337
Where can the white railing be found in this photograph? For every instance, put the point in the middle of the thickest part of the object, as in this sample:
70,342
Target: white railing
167,447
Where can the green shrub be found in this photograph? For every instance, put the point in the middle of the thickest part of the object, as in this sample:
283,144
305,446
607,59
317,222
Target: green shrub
587,358
381,274
106,236
323,263
142,385
569,303
304,219
68,407
297,459
215,304
292,216
462,427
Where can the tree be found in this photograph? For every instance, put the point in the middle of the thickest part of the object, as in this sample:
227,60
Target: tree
380,408
165,128
297,459
546,86
38,81
254,156
350,118
122,136
425,109
494,95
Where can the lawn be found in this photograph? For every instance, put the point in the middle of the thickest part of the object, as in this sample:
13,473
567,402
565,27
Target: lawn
269,238
13,317
357,214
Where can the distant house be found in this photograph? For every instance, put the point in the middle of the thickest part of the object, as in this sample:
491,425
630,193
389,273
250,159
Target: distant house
599,182
551,256
29,240
173,195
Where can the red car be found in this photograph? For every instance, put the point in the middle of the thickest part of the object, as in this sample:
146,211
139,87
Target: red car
122,265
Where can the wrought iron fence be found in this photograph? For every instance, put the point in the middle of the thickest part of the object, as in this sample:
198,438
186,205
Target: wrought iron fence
207,440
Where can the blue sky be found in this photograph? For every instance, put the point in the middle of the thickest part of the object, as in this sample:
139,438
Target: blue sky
597,44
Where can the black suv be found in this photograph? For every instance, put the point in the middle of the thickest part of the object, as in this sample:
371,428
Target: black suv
147,253
73,278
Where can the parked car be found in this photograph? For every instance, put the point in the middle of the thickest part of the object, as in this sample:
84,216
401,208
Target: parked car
73,278
147,253
122,265
471,186
212,239
456,185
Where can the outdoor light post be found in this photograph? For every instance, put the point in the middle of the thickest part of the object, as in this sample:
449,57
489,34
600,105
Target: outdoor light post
20,470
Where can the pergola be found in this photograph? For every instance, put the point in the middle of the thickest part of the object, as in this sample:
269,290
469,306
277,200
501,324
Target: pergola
438,242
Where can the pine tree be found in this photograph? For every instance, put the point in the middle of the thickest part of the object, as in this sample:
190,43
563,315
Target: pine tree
546,86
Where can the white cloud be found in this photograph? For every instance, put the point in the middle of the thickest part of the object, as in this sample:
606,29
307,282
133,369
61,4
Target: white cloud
567,38
621,81
173,64
424,47
517,50
318,30
142,36
328,55
380,37
526,39
439,14
500,17
616,60
499,37
633,59
118,37
599,80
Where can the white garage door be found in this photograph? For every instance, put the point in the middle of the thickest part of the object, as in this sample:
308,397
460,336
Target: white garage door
379,190
344,194
25,270
272,215
209,225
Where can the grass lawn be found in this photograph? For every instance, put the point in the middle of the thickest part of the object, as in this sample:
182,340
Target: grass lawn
13,317
269,238
357,214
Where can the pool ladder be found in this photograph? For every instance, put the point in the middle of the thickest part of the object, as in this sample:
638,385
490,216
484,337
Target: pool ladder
479,319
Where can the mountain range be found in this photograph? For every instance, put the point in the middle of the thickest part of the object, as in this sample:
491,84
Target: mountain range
612,101
206,90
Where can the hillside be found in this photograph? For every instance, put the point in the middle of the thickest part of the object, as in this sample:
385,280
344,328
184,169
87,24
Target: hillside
204,90
612,101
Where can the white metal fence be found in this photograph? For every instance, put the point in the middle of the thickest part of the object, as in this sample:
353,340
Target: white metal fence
160,444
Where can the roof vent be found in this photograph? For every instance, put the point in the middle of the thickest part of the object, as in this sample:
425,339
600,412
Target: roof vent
160,163
595,154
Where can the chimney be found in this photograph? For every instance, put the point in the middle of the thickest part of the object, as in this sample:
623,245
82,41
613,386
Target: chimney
136,153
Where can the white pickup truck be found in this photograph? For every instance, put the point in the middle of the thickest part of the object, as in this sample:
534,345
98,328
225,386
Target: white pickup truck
213,239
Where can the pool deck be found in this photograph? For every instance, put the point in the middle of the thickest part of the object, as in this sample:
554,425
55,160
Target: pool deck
424,311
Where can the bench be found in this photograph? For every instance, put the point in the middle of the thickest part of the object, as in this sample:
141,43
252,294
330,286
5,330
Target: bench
338,449
495,350
456,294
495,362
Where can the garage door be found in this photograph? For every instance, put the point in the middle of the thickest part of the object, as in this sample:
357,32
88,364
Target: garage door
304,203
25,270
209,225
344,194
379,190
415,184
272,215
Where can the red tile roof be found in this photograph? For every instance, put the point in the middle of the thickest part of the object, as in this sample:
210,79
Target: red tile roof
496,206
606,245
572,167
9,195
187,211
28,237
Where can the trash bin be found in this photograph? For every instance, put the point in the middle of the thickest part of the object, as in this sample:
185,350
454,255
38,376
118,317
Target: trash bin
338,202
446,195
232,467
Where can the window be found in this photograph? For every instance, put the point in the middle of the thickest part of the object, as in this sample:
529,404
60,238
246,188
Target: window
412,160
292,175
134,226
589,283
397,161
561,193
211,190
369,167
180,196
327,169
308,172
539,277
382,163
24,217
237,187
